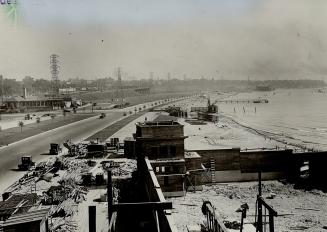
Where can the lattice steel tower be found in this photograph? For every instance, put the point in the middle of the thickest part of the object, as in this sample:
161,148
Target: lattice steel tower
54,70
119,88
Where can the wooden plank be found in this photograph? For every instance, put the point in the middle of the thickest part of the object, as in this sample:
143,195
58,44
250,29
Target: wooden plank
142,206
271,210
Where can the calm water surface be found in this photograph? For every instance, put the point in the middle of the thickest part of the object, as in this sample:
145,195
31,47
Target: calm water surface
299,115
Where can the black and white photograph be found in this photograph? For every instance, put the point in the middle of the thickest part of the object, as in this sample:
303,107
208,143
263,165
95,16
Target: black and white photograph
163,116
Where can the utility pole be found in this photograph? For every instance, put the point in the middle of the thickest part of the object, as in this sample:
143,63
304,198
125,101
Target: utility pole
120,88
1,81
151,84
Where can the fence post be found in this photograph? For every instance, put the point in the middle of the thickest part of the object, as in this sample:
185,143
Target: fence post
259,221
271,223
92,218
109,195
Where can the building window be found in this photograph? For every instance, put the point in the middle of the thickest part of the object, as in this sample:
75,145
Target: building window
157,169
175,169
163,169
154,151
166,182
172,150
163,150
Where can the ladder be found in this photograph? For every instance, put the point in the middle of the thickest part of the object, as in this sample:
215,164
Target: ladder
213,169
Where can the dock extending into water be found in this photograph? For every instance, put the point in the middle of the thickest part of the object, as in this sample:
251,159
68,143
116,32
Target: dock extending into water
259,100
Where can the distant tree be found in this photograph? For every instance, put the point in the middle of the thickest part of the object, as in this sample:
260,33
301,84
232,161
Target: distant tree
38,120
28,84
41,86
10,87
21,125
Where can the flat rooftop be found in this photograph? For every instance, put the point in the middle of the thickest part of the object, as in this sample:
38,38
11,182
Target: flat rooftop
158,123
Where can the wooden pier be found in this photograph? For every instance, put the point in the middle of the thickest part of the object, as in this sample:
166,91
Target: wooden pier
259,100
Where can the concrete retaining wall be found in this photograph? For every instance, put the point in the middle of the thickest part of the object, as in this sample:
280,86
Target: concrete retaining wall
232,165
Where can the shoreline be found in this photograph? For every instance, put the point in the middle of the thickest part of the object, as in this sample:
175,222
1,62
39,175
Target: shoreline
289,118
267,134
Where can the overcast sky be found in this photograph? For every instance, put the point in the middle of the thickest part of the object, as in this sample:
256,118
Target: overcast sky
230,39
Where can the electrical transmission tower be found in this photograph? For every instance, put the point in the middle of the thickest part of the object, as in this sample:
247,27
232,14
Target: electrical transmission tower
54,70
120,91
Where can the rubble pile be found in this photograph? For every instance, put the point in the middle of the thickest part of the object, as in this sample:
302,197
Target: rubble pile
61,218
68,197
62,225
76,150
237,192
64,209
20,186
121,169
74,170
234,225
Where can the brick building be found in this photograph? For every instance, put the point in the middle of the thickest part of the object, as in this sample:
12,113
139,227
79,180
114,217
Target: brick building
163,143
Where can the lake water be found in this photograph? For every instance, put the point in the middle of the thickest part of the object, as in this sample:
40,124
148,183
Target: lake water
298,115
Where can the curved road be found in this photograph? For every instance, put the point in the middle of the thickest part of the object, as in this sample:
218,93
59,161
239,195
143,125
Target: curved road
39,144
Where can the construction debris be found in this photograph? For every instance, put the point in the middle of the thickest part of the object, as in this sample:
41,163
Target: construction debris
121,169
76,150
234,225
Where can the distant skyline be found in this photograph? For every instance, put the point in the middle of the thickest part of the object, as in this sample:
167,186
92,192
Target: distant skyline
260,39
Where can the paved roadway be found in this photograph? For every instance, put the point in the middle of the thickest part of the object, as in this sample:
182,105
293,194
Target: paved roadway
39,144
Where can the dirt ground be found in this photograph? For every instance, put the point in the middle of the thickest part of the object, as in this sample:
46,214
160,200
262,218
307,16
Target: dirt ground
298,210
